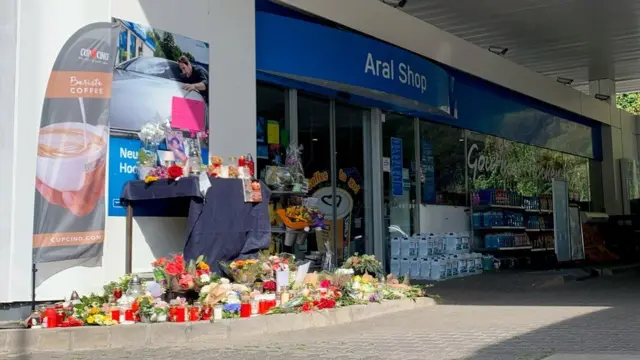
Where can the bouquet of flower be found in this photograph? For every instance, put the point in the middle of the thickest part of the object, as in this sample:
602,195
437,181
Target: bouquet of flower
93,312
176,275
365,264
244,271
155,174
317,219
295,217
152,310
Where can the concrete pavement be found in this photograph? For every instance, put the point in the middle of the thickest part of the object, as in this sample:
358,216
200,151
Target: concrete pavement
591,318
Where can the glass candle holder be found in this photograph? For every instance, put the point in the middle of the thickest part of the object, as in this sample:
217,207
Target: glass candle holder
245,310
217,312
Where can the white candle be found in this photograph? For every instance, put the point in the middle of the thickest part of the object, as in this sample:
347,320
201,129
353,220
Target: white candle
217,312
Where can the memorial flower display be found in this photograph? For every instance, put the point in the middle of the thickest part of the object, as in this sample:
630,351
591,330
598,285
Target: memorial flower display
219,298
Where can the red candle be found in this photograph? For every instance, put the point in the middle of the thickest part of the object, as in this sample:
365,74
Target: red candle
262,307
241,161
206,313
59,317
245,310
52,318
194,313
249,163
172,314
128,315
180,314
115,315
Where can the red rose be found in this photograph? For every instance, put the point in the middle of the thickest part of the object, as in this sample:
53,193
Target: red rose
174,269
174,171
160,262
325,284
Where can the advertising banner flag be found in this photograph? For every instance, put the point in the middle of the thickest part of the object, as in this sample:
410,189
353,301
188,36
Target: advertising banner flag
69,208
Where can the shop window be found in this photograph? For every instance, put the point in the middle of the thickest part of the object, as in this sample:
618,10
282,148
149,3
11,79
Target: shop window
442,163
495,163
271,133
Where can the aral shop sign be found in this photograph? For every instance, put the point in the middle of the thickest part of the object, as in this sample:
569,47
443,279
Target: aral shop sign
484,164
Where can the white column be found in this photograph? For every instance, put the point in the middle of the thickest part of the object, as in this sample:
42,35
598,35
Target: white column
612,148
232,88
8,46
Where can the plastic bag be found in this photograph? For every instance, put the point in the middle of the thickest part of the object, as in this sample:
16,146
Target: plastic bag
294,163
328,258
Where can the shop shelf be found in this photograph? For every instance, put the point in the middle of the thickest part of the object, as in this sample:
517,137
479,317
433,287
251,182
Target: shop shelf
494,206
492,228
546,230
511,248
542,249
533,230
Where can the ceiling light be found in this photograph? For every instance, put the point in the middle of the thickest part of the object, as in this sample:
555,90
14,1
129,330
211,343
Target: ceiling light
564,81
602,97
502,51
395,3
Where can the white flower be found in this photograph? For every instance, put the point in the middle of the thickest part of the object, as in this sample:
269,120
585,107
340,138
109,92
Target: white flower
356,285
224,281
205,289
344,272
205,278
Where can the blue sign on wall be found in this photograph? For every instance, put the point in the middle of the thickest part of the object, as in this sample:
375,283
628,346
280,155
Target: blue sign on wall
428,175
299,48
123,158
396,167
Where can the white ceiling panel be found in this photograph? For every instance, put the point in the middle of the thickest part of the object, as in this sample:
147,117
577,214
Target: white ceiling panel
576,39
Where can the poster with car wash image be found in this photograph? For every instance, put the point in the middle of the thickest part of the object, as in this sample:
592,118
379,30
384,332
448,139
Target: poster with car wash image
348,219
158,76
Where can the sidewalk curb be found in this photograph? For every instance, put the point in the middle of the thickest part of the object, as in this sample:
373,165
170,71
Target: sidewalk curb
17,342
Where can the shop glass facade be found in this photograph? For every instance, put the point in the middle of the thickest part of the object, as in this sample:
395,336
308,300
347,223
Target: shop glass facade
425,168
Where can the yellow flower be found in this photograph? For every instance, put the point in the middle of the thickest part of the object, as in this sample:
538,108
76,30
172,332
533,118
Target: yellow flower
203,266
91,320
99,319
357,278
94,310
150,179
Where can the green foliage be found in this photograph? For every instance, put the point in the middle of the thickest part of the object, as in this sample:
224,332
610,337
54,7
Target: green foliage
166,46
629,102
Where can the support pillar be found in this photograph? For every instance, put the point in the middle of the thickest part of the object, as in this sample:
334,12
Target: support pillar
611,149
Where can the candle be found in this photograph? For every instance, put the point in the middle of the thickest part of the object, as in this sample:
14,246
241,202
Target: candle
128,315
206,313
254,306
181,314
51,318
194,313
115,315
217,312
245,310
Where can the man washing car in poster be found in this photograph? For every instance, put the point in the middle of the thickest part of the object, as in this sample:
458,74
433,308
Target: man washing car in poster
195,77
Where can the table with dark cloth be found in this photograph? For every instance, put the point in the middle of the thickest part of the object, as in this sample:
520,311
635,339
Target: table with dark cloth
220,226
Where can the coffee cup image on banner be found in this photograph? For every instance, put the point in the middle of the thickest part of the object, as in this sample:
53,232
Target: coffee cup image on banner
70,167
341,220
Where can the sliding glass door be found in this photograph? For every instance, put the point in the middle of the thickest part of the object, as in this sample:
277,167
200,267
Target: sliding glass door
332,138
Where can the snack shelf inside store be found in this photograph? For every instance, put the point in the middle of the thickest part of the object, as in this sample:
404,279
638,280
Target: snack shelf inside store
504,220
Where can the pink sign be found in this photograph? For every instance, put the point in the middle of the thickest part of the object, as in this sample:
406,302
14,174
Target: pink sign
187,114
